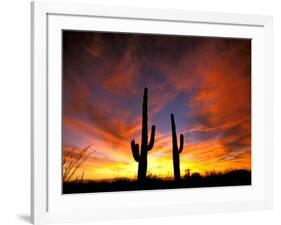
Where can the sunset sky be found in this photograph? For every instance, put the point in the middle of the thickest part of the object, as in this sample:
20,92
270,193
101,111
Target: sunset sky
205,82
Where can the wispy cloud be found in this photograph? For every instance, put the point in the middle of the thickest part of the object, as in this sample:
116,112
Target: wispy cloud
205,82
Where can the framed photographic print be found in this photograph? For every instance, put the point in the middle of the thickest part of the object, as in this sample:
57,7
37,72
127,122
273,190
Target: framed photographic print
148,112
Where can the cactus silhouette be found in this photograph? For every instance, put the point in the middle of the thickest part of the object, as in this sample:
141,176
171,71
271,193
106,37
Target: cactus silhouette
140,156
176,150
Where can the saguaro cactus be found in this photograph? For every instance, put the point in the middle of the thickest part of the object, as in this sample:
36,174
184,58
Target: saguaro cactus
176,150
141,156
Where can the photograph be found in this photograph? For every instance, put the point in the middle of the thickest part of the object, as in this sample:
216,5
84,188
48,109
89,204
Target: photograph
154,111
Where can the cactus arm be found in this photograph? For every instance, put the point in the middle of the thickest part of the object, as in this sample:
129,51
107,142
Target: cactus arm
181,143
152,138
135,150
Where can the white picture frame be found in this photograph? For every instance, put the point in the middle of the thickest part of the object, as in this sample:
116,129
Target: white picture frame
49,205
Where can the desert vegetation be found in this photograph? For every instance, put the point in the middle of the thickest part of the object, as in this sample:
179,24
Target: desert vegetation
73,161
140,155
193,180
176,149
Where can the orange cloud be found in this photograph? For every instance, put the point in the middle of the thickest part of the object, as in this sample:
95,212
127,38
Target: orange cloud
104,77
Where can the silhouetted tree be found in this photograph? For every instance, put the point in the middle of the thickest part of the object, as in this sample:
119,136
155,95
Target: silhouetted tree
176,150
187,173
140,156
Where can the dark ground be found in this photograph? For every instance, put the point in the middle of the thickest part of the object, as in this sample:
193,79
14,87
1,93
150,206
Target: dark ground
231,178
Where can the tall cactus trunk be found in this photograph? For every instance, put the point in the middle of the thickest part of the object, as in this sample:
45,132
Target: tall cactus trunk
176,150
141,156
